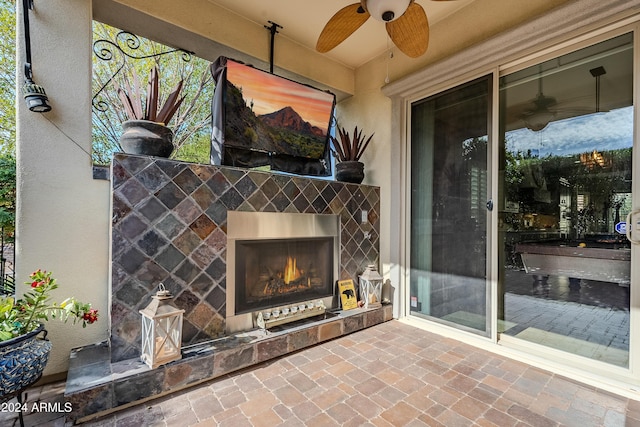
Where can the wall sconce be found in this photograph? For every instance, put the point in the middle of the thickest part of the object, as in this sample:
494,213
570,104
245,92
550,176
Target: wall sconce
371,287
34,95
161,330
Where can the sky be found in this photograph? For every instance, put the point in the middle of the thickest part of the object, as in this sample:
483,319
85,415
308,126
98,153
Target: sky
604,131
271,93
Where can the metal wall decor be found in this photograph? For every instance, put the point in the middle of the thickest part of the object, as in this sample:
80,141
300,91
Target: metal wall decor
125,46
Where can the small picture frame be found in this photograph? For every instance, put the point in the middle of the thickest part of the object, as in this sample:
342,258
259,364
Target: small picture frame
348,295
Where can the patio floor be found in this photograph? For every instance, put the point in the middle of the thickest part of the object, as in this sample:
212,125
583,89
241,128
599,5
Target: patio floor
391,374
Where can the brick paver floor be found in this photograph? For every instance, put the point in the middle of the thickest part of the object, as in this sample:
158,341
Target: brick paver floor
392,374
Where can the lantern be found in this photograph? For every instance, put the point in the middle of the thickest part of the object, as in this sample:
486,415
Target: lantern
371,287
161,330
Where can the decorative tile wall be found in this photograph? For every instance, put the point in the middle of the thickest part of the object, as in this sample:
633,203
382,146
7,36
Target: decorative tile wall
169,226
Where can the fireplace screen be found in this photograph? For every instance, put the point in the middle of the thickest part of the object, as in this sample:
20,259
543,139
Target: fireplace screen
282,271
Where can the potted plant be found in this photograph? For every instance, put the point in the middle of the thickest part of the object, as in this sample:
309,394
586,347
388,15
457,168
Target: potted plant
347,152
23,355
146,131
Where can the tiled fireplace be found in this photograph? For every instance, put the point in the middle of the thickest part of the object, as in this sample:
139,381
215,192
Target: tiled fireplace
177,223
170,226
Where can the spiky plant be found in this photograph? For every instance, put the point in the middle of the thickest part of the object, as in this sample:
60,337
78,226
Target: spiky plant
137,109
348,149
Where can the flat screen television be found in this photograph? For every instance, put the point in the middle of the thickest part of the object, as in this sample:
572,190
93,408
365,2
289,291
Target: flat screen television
271,120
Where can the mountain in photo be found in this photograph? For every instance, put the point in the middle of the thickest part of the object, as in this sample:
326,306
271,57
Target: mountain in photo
282,132
288,118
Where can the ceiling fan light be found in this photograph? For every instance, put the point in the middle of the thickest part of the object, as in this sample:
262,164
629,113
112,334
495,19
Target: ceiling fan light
387,10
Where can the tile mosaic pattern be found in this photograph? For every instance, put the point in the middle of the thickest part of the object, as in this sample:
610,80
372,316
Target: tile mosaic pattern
169,226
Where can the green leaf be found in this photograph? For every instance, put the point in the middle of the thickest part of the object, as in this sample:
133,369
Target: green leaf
7,77
6,304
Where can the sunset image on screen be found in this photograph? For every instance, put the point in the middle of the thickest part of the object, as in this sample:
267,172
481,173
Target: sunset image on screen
270,93
267,116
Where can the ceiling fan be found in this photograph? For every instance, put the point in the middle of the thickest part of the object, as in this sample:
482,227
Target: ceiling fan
541,113
544,109
406,23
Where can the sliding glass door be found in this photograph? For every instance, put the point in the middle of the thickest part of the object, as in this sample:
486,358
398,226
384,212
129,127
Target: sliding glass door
563,172
566,135
448,237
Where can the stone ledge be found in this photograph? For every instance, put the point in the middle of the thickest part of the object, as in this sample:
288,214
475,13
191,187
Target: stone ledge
96,387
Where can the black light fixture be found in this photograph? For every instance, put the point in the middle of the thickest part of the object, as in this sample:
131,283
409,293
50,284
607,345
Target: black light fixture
597,73
34,94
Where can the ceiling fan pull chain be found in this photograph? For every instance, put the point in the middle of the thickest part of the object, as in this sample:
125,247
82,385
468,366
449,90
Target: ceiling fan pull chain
386,79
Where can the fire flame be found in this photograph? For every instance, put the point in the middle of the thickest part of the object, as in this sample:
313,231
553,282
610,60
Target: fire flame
291,272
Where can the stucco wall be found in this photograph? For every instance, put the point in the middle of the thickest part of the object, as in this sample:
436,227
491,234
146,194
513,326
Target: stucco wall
62,213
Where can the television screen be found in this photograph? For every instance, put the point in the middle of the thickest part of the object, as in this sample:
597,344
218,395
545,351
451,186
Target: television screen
270,120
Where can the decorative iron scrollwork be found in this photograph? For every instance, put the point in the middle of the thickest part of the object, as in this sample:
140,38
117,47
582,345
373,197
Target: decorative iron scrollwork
126,46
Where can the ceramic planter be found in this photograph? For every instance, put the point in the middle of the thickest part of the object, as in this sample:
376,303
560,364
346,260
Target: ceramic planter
350,171
22,360
146,138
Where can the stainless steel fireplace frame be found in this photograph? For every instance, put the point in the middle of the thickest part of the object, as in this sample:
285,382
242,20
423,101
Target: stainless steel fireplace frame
268,226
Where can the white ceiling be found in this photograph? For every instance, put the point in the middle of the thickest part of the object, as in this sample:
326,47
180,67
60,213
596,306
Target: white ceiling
302,22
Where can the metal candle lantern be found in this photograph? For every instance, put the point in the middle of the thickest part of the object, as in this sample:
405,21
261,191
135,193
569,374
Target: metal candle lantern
161,330
371,287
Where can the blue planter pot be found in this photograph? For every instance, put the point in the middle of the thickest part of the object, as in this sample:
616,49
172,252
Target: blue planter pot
22,360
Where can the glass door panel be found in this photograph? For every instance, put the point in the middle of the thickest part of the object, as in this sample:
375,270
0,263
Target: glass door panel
448,254
566,130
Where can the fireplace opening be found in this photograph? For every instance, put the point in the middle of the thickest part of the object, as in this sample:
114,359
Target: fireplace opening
276,260
282,271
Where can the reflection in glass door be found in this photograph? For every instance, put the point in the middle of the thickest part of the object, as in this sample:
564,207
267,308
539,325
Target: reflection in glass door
448,259
566,130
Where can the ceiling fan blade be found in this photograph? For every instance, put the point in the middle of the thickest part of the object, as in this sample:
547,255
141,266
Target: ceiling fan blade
341,25
410,32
